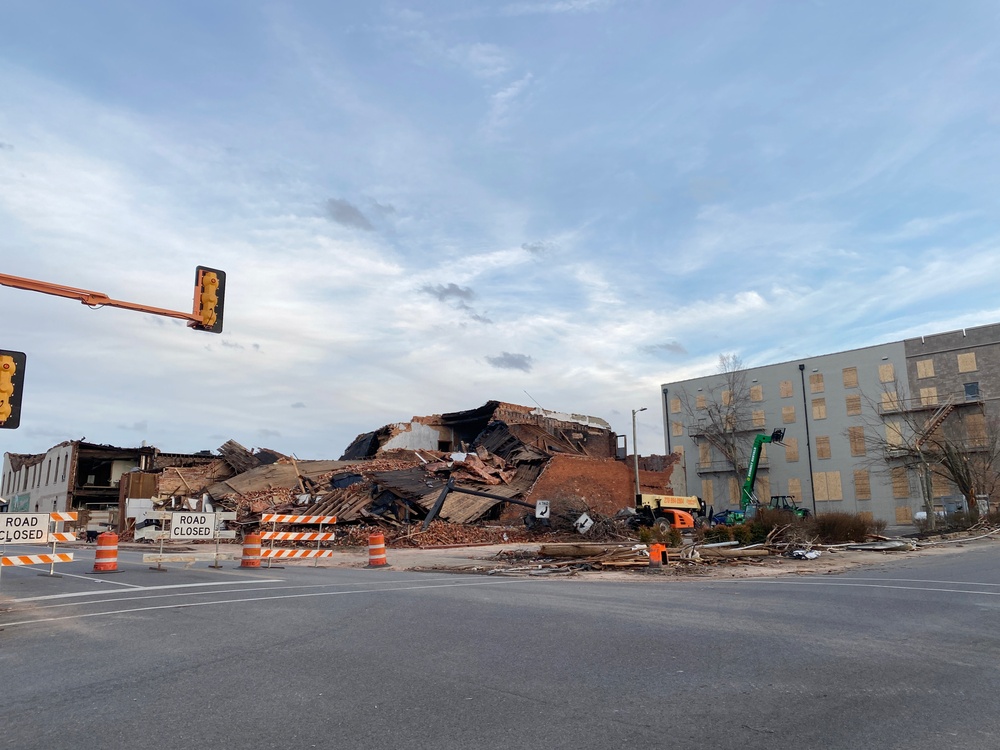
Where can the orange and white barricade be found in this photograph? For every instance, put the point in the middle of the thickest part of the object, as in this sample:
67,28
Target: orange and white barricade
376,551
270,553
251,551
106,560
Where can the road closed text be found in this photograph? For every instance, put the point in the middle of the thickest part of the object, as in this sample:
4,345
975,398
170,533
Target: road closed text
24,528
192,525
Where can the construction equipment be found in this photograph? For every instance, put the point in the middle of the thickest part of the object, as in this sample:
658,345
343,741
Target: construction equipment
787,504
748,498
669,511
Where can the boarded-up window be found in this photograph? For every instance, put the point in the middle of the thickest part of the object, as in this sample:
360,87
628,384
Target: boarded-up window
756,393
853,404
758,418
675,406
729,423
886,373
700,402
788,414
822,446
791,449
734,491
795,489
925,368
900,483
850,377
819,408
894,434
940,486
856,435
828,486
890,401
727,398
967,362
975,425
704,454
862,484
904,515
928,396
677,428
763,455
785,388
707,492
816,383
764,488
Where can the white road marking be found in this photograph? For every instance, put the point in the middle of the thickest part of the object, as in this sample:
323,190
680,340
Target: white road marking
135,588
264,599
873,585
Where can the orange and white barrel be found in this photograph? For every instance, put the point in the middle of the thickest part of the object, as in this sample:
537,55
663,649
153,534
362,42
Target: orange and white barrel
376,551
106,560
251,551
657,553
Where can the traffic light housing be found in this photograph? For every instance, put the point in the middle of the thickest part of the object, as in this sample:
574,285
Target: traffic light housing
11,386
209,297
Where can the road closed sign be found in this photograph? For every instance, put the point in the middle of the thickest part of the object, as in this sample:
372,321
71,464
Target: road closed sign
192,525
24,528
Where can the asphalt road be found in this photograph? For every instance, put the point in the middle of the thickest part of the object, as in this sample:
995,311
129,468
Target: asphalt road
901,655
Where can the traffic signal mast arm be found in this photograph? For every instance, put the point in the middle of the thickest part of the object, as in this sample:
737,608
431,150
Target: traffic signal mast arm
747,496
208,298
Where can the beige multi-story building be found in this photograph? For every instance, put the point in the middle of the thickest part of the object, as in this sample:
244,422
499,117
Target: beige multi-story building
857,423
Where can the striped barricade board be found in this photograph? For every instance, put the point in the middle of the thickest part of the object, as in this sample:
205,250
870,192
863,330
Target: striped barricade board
62,536
188,557
279,518
296,536
299,536
298,554
36,559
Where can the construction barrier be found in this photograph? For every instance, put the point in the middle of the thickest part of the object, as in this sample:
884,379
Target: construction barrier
36,559
657,555
376,551
271,553
251,551
106,560
34,528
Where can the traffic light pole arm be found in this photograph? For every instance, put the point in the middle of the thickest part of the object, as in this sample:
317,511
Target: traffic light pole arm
207,315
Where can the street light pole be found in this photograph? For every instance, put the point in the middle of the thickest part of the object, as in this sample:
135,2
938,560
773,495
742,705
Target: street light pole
635,455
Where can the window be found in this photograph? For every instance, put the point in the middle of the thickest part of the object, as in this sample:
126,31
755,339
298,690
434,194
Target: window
862,485
677,428
890,401
791,449
822,446
788,414
893,434
707,493
795,488
699,402
675,406
828,486
850,377
975,426
756,393
853,404
727,398
785,389
758,418
704,454
856,436
886,373
972,391
48,472
967,362
819,408
900,483
928,396
734,491
816,383
925,368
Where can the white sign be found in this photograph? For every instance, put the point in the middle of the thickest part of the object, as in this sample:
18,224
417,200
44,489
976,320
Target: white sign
583,523
192,525
542,509
24,528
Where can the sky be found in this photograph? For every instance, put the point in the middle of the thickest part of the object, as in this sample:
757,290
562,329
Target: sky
423,206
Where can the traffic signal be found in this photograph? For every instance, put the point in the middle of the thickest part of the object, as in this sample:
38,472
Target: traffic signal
11,385
209,296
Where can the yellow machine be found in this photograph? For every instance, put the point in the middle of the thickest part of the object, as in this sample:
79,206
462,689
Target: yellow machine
666,511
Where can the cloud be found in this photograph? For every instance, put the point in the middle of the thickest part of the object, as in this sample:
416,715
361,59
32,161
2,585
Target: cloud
348,215
482,60
557,7
142,426
268,434
503,104
451,291
6,146
508,361
535,248
671,347
298,405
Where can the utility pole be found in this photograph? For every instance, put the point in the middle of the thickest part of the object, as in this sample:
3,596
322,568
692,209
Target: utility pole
635,455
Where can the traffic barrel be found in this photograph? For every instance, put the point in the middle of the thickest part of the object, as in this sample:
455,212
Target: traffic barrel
106,560
376,551
251,551
657,555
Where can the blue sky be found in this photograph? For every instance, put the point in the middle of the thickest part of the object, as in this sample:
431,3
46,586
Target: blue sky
423,206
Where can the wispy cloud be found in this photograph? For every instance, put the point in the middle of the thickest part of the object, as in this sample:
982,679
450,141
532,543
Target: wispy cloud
345,213
556,7
509,361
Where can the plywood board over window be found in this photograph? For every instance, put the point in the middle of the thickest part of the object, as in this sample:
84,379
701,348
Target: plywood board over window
853,405
823,446
759,419
734,492
675,406
677,428
700,402
886,373
828,486
850,377
900,483
967,362
704,454
819,408
707,492
816,383
727,398
928,396
975,426
791,449
862,484
925,368
795,489
890,401
756,393
856,436
904,515
785,389
941,487
788,414
894,434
